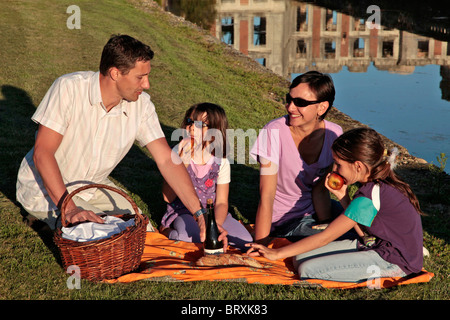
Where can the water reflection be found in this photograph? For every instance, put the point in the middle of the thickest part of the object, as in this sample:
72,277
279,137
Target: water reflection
294,36
382,72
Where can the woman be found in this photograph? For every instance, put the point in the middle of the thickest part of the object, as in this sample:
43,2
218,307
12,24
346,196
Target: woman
294,153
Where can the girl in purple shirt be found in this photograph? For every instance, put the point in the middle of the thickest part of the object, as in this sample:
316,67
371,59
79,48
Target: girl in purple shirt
384,211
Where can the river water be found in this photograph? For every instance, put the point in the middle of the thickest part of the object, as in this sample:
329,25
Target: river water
390,65
408,109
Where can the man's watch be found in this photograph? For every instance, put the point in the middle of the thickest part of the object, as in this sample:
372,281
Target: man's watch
199,213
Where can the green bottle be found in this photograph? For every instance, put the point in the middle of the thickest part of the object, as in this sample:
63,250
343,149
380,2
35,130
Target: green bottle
212,245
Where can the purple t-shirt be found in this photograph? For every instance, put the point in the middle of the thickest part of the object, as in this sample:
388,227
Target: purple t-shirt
293,197
396,225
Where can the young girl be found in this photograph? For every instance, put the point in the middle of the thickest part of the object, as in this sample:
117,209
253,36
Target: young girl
384,211
204,154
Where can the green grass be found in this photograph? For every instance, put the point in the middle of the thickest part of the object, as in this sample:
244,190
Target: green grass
187,68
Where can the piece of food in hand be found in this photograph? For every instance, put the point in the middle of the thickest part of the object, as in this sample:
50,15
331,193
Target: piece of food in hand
322,226
227,259
335,181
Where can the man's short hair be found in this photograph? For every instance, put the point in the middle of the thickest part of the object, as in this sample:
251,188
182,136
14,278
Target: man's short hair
122,52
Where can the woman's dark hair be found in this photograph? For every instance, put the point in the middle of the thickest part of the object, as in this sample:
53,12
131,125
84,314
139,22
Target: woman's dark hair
366,145
216,118
122,52
320,84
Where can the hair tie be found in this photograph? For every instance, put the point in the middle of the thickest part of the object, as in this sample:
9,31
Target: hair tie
391,158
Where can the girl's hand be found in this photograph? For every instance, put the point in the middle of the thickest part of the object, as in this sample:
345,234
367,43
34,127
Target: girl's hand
260,250
191,149
186,150
223,237
340,193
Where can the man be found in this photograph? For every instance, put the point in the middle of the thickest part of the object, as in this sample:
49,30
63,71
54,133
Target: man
87,123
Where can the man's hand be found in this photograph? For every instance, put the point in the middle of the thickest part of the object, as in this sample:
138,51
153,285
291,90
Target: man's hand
78,215
202,226
223,233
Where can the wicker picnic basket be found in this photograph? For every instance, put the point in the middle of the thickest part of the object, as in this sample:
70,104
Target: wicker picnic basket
105,258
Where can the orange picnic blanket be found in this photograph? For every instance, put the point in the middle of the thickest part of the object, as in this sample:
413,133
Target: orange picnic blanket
169,260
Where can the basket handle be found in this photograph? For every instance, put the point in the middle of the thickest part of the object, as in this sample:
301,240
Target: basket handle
101,186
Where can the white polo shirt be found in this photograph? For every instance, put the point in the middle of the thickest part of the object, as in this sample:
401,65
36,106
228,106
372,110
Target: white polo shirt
94,141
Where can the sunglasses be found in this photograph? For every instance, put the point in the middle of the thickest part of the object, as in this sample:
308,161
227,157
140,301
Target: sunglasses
299,102
189,122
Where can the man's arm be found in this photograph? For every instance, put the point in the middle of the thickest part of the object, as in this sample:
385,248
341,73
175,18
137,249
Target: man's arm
184,147
168,194
175,174
47,142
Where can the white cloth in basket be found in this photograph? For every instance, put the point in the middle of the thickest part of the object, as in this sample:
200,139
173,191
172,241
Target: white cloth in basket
89,231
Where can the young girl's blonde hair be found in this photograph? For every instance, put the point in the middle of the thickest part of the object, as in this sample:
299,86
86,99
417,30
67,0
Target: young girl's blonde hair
366,145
